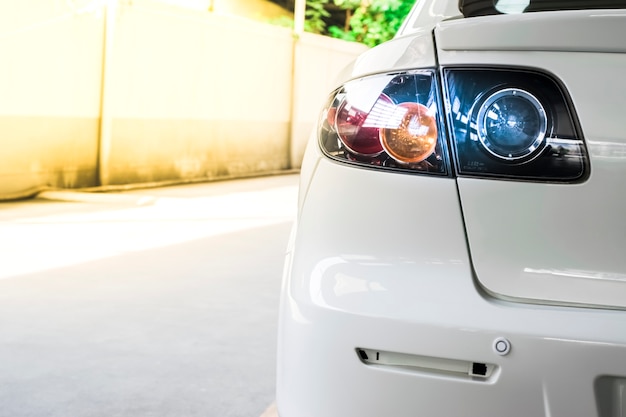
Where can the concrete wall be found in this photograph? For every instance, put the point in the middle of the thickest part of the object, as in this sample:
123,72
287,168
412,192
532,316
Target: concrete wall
143,91
50,82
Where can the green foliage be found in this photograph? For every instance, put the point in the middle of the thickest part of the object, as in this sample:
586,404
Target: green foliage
367,21
314,16
371,21
282,21
348,4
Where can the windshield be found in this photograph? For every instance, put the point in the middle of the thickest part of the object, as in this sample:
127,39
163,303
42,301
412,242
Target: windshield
472,8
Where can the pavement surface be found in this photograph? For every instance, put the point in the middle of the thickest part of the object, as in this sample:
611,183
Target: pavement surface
155,302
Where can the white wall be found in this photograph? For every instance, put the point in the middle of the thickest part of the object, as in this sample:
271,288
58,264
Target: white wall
156,93
49,94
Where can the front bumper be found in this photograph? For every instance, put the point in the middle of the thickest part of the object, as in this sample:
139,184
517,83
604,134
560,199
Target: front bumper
388,270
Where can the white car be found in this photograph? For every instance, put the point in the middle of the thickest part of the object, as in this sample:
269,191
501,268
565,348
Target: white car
460,246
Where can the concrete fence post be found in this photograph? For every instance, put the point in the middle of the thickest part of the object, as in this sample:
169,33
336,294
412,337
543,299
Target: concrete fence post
298,29
104,140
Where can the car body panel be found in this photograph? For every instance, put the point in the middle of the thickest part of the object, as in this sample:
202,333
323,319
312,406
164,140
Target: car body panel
552,242
362,276
380,261
571,31
405,53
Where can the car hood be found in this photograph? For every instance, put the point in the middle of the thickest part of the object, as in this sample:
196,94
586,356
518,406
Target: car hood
560,244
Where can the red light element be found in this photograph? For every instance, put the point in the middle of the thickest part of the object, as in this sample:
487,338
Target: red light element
331,115
415,136
358,131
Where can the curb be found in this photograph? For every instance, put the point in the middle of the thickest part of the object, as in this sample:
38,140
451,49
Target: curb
89,197
82,194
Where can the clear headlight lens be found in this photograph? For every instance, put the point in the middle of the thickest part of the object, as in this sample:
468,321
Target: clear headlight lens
513,124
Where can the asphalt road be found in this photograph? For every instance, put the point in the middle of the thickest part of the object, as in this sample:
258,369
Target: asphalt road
156,302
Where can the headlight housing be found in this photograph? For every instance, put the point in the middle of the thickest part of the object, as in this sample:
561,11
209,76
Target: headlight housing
387,121
501,123
511,123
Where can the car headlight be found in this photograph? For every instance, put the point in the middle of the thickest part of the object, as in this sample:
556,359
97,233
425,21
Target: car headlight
501,123
516,124
511,124
386,121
